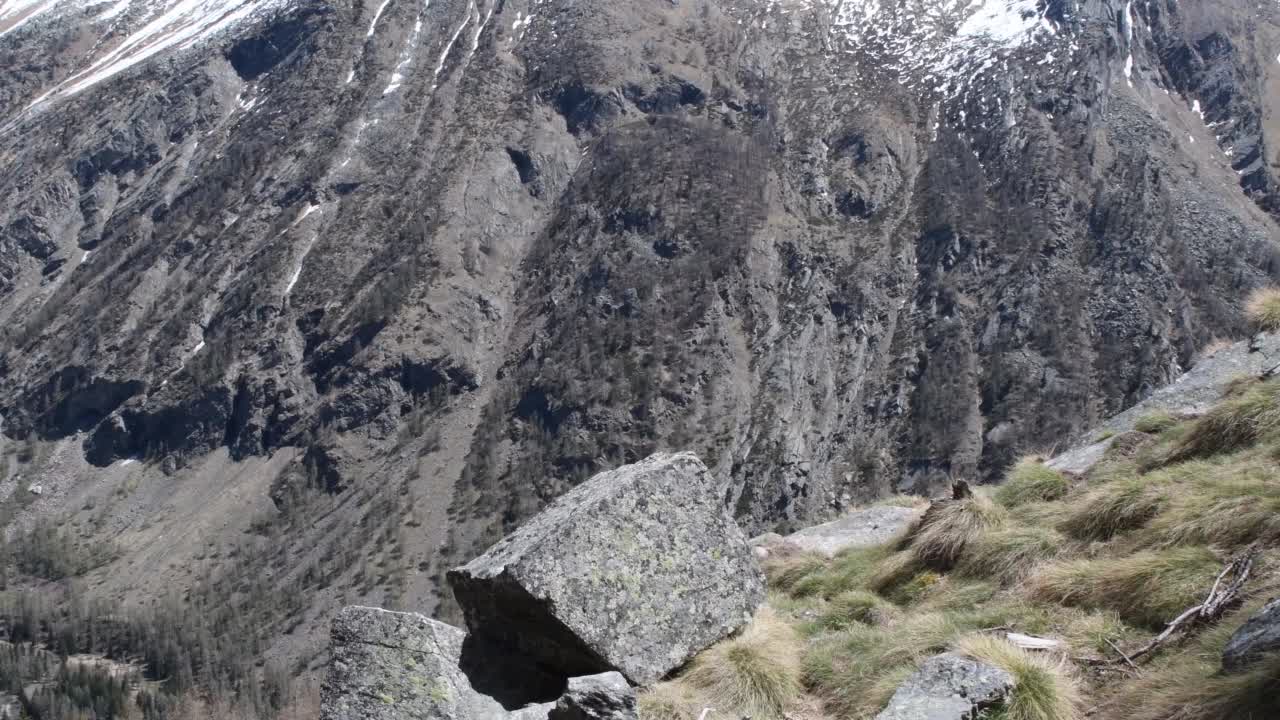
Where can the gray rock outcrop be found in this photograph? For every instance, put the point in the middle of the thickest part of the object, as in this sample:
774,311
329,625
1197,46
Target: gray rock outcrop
635,570
404,666
1258,636
1192,393
948,687
607,696
862,528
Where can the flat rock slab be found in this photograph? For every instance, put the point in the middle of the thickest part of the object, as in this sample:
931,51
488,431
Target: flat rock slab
861,528
635,570
403,666
948,687
1258,636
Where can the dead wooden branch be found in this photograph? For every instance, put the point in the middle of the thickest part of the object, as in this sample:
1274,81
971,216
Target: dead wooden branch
1215,604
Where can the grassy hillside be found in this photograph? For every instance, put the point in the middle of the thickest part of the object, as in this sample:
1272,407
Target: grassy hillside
1101,563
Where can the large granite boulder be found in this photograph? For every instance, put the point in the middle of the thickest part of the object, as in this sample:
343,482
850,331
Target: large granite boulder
404,666
607,696
635,570
1258,636
948,687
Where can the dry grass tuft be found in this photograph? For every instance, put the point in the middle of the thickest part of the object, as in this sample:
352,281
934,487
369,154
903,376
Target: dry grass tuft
1008,554
1263,309
1044,687
785,571
756,673
1143,588
671,700
1118,506
1236,422
1031,480
949,526
856,606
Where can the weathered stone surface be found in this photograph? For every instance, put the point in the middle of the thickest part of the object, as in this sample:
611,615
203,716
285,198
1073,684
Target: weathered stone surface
948,687
1258,636
404,666
1191,393
607,696
862,528
635,570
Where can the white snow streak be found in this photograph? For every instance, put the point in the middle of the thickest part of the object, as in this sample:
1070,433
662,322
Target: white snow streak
297,268
406,55
475,39
1128,36
374,23
444,54
21,12
176,25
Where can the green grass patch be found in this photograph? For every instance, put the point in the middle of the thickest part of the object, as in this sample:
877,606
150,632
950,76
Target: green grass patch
1238,421
1156,422
856,606
1145,588
1115,507
1030,480
1006,555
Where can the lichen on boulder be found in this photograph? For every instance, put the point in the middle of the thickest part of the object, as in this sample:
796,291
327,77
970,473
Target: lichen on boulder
635,570
403,666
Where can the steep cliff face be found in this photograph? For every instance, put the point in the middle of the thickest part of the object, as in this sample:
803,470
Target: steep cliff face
419,267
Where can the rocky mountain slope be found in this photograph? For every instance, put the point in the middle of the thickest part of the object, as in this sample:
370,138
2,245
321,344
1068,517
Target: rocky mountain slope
328,296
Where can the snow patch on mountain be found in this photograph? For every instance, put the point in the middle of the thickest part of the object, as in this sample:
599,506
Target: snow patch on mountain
159,26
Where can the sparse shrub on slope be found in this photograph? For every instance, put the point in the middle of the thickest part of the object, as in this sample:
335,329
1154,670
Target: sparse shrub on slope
1263,309
1144,588
1030,480
1045,688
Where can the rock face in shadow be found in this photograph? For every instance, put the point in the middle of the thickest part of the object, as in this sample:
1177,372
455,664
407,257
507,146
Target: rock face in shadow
606,696
635,570
1258,636
948,687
